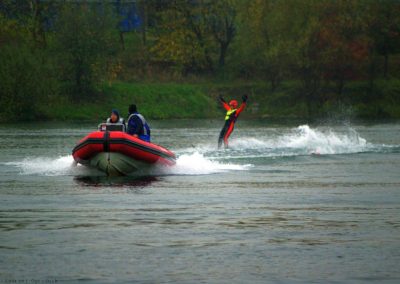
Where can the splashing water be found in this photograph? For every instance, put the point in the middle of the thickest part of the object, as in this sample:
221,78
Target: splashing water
187,164
206,159
314,141
197,164
304,141
45,166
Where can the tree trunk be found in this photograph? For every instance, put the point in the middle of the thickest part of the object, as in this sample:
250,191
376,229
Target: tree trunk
143,14
340,87
371,78
222,54
309,105
274,83
386,66
122,40
34,9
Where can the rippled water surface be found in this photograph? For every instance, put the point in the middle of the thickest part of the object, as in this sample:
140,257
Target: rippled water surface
285,203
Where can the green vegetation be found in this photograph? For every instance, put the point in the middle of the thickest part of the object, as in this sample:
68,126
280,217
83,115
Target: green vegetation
156,101
84,42
314,58
199,100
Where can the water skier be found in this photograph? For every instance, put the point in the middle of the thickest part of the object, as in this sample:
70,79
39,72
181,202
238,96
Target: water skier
232,113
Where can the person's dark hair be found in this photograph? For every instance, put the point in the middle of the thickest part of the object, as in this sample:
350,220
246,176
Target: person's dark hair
132,108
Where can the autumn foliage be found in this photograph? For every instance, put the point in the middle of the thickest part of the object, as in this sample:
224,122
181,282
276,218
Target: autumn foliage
322,44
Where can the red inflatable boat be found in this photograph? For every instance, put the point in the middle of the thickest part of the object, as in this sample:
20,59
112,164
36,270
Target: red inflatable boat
118,153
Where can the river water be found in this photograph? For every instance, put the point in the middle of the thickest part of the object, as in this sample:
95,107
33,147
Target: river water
286,203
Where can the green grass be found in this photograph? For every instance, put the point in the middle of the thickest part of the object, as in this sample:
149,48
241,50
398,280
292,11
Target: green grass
200,100
155,101
161,101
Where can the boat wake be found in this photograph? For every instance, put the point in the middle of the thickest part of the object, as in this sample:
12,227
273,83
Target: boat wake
204,158
299,141
47,166
186,164
304,140
197,164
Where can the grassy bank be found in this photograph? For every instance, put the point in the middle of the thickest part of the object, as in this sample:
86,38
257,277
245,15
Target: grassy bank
155,101
199,100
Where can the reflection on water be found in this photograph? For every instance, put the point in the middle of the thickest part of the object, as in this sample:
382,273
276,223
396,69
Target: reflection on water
119,181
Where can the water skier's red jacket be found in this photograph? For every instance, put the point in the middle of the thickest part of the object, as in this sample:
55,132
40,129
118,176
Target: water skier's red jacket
232,113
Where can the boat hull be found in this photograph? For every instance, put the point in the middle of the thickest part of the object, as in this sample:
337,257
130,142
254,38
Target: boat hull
117,153
116,164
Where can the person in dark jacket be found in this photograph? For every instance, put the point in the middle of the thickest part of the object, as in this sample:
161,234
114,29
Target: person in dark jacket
137,125
232,113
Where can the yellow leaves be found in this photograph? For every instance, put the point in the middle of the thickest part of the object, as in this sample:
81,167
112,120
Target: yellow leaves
114,69
11,31
178,46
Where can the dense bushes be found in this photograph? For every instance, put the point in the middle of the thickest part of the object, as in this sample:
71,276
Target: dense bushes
27,79
27,83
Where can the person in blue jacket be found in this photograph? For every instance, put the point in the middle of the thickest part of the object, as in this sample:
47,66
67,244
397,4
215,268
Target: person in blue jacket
137,125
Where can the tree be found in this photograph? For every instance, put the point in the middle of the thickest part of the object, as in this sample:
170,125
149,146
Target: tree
222,22
342,41
86,39
35,15
384,29
25,73
265,44
182,37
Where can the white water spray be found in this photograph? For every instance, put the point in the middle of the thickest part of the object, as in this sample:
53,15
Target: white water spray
196,164
304,141
204,158
318,142
62,165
